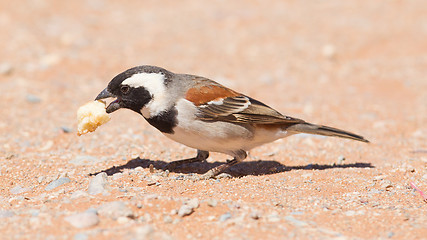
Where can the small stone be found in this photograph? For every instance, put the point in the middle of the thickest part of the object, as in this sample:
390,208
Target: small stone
212,202
19,189
84,160
341,159
193,203
83,220
115,210
40,179
79,194
33,98
379,178
167,219
350,213
6,213
425,176
224,217
255,215
81,236
58,182
223,176
123,220
66,129
117,176
274,217
295,222
98,184
329,51
185,210
387,185
6,69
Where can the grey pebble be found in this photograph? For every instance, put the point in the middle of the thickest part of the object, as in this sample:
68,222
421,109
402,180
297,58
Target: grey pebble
193,203
295,222
98,184
66,129
83,220
18,189
6,213
58,182
81,236
148,232
115,210
33,98
224,217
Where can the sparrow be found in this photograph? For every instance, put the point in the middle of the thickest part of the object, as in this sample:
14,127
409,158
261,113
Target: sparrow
205,115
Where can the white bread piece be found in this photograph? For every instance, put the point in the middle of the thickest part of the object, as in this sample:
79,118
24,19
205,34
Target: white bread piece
90,116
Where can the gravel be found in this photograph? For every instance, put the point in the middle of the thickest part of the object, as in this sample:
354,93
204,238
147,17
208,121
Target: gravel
224,217
115,210
6,213
83,220
188,207
98,184
58,182
18,189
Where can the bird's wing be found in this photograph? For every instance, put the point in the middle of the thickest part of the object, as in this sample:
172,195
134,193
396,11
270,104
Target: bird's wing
218,103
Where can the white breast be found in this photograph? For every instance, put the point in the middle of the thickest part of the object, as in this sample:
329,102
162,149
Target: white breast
217,136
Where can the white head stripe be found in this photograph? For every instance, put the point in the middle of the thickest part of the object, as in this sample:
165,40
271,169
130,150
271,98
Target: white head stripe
154,83
151,81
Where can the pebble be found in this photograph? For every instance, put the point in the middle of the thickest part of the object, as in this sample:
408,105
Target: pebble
6,69
255,215
6,213
18,189
224,217
79,194
84,160
83,220
188,207
81,236
185,210
148,232
115,210
66,129
387,185
329,51
167,219
212,202
58,182
224,176
33,98
274,217
98,184
341,159
295,222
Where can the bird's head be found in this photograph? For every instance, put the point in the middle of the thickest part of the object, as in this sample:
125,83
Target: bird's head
136,88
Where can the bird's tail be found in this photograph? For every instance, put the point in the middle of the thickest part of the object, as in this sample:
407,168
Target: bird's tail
325,131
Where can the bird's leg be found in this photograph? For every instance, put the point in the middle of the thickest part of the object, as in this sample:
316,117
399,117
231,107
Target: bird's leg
201,156
239,156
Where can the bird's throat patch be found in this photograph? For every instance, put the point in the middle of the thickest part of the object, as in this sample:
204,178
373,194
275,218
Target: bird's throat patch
165,121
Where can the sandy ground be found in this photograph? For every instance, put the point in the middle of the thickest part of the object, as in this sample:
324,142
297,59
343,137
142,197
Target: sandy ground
356,65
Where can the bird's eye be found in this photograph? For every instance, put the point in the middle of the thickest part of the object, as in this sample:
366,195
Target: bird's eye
124,89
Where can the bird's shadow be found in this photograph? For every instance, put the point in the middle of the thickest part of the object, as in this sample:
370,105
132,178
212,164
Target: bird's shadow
255,168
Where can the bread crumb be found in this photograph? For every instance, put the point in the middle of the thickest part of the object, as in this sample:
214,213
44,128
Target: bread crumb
90,116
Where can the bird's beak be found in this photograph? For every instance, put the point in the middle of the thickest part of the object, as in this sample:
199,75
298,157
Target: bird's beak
113,106
104,94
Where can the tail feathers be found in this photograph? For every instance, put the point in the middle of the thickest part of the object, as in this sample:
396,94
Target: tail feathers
325,131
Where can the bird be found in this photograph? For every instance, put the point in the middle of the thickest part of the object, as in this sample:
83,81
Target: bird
205,115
